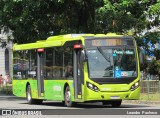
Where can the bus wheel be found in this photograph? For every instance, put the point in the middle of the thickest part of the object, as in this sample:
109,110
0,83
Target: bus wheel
67,98
29,95
116,103
38,101
105,102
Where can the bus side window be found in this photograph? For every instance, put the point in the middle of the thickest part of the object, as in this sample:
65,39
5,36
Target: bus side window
68,62
69,70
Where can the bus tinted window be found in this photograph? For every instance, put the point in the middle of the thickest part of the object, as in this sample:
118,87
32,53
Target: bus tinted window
48,65
58,63
24,64
111,63
17,62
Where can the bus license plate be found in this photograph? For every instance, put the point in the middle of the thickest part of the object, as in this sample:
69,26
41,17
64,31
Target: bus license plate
115,97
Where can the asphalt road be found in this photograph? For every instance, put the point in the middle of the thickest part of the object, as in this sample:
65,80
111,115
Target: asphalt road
19,107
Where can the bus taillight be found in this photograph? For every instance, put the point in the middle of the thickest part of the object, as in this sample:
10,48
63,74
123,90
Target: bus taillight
40,50
78,46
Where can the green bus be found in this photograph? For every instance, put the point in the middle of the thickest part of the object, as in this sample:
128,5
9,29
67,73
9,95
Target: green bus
76,68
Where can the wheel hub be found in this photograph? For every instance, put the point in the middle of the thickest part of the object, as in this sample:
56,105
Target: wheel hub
28,96
68,94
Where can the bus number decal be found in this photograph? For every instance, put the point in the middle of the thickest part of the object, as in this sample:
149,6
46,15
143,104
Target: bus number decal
57,88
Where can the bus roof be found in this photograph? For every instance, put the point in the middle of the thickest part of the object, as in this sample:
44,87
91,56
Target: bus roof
59,40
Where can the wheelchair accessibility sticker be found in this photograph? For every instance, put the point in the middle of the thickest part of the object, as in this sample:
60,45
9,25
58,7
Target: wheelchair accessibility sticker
118,74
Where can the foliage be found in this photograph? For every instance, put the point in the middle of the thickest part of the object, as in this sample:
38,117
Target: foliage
157,54
153,38
143,66
6,89
154,67
32,20
116,17
123,15
36,20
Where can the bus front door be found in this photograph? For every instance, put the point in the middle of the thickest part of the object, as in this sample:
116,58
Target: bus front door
40,77
78,76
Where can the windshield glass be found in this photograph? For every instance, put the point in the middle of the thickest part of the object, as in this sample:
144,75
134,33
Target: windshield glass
111,63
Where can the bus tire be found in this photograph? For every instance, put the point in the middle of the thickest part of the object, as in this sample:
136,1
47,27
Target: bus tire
30,100
67,97
105,103
38,101
116,103
63,102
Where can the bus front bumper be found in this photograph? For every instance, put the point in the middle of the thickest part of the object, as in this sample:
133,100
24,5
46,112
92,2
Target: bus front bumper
100,96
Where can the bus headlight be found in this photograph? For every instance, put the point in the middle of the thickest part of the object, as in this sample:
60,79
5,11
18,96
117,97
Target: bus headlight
92,87
134,86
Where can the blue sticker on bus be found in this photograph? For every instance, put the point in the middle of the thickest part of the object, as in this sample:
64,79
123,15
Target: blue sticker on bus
114,54
118,74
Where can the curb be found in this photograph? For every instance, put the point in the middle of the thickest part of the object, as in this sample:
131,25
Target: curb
4,94
147,102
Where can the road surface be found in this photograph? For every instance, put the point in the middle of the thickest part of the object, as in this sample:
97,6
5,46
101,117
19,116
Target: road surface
19,107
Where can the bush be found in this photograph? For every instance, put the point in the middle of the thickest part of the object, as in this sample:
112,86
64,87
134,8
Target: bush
154,67
6,90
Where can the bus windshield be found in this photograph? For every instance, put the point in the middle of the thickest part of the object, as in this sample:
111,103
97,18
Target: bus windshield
111,63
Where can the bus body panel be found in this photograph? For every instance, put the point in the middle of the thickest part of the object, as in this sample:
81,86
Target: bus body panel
109,91
103,96
19,87
54,89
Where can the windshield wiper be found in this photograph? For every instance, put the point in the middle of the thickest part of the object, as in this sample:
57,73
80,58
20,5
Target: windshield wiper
101,51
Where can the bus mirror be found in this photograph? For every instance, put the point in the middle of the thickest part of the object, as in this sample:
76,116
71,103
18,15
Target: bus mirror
83,56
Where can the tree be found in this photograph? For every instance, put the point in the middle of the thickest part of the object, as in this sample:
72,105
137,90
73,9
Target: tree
154,68
29,20
123,15
36,20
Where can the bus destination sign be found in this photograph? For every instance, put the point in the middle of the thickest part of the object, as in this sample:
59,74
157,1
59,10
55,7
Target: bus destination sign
108,42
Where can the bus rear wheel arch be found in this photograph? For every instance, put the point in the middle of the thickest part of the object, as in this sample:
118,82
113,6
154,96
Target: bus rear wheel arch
30,100
67,97
29,95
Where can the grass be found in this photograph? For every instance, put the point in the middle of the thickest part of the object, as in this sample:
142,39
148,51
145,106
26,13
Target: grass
151,96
